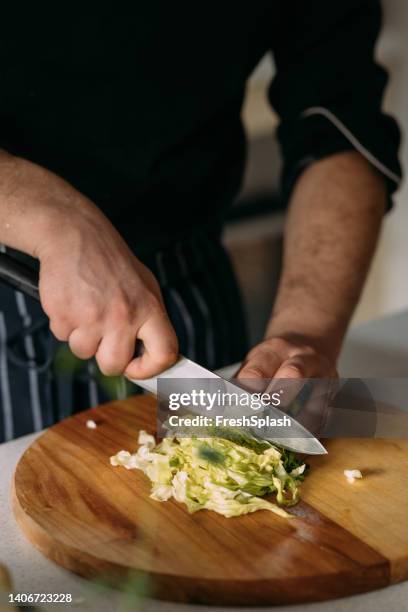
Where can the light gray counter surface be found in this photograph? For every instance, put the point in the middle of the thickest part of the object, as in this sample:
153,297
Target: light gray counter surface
378,348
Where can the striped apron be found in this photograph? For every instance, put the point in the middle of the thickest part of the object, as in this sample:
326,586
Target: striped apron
41,382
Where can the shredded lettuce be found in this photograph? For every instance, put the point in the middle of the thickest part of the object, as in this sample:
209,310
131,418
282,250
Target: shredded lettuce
229,475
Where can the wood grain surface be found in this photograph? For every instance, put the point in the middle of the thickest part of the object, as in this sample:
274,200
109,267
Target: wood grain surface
99,521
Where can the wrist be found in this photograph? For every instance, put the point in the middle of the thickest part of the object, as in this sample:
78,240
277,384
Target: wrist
33,204
67,223
311,328
39,209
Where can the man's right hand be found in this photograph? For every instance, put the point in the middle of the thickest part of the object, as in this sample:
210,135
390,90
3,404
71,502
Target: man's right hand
98,295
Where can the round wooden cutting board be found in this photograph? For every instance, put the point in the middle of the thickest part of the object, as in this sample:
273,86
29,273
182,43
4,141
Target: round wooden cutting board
99,521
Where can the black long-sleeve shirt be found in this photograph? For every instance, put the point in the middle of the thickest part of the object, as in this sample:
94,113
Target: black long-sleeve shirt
138,104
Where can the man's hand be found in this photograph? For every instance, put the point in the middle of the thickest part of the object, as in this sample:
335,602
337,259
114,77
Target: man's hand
281,358
98,296
332,228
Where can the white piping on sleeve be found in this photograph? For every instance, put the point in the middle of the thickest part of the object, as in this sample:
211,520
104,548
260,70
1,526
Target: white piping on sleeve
325,112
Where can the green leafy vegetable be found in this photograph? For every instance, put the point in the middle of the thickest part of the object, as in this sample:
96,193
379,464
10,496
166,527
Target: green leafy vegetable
218,473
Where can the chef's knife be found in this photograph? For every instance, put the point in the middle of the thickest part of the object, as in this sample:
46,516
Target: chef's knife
297,438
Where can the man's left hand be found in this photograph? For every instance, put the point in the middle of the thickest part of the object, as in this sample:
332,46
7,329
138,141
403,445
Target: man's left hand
281,358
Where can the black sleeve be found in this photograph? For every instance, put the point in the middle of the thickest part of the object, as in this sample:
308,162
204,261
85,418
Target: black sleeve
328,89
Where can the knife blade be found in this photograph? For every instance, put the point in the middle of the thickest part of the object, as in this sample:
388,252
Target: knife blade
298,438
25,279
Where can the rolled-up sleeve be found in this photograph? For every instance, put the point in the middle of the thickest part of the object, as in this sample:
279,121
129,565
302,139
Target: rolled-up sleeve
328,89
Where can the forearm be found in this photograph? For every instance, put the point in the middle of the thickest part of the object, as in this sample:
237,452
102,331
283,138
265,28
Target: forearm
22,216
332,229
37,205
98,296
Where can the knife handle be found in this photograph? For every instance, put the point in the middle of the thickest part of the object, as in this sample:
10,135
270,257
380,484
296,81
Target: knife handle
19,276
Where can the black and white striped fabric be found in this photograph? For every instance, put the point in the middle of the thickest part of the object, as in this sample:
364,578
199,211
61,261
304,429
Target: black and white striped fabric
204,305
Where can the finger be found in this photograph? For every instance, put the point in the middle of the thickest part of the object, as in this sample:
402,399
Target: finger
61,329
306,366
160,348
84,343
289,378
115,351
288,390
305,383
298,367
305,400
260,365
259,369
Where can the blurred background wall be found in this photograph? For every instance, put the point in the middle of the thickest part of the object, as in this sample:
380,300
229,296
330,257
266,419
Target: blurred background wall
254,232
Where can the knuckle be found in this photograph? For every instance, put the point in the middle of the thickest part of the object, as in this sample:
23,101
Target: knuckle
83,353
261,352
59,330
121,312
309,352
59,335
253,371
108,367
90,311
153,304
295,370
53,305
277,344
166,358
118,357
83,349
112,363
150,280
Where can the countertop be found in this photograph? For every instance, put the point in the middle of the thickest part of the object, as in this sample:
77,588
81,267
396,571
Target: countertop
378,348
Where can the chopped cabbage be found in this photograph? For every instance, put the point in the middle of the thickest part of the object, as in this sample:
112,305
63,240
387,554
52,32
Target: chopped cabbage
217,473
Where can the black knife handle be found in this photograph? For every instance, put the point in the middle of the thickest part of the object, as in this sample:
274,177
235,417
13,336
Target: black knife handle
19,276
